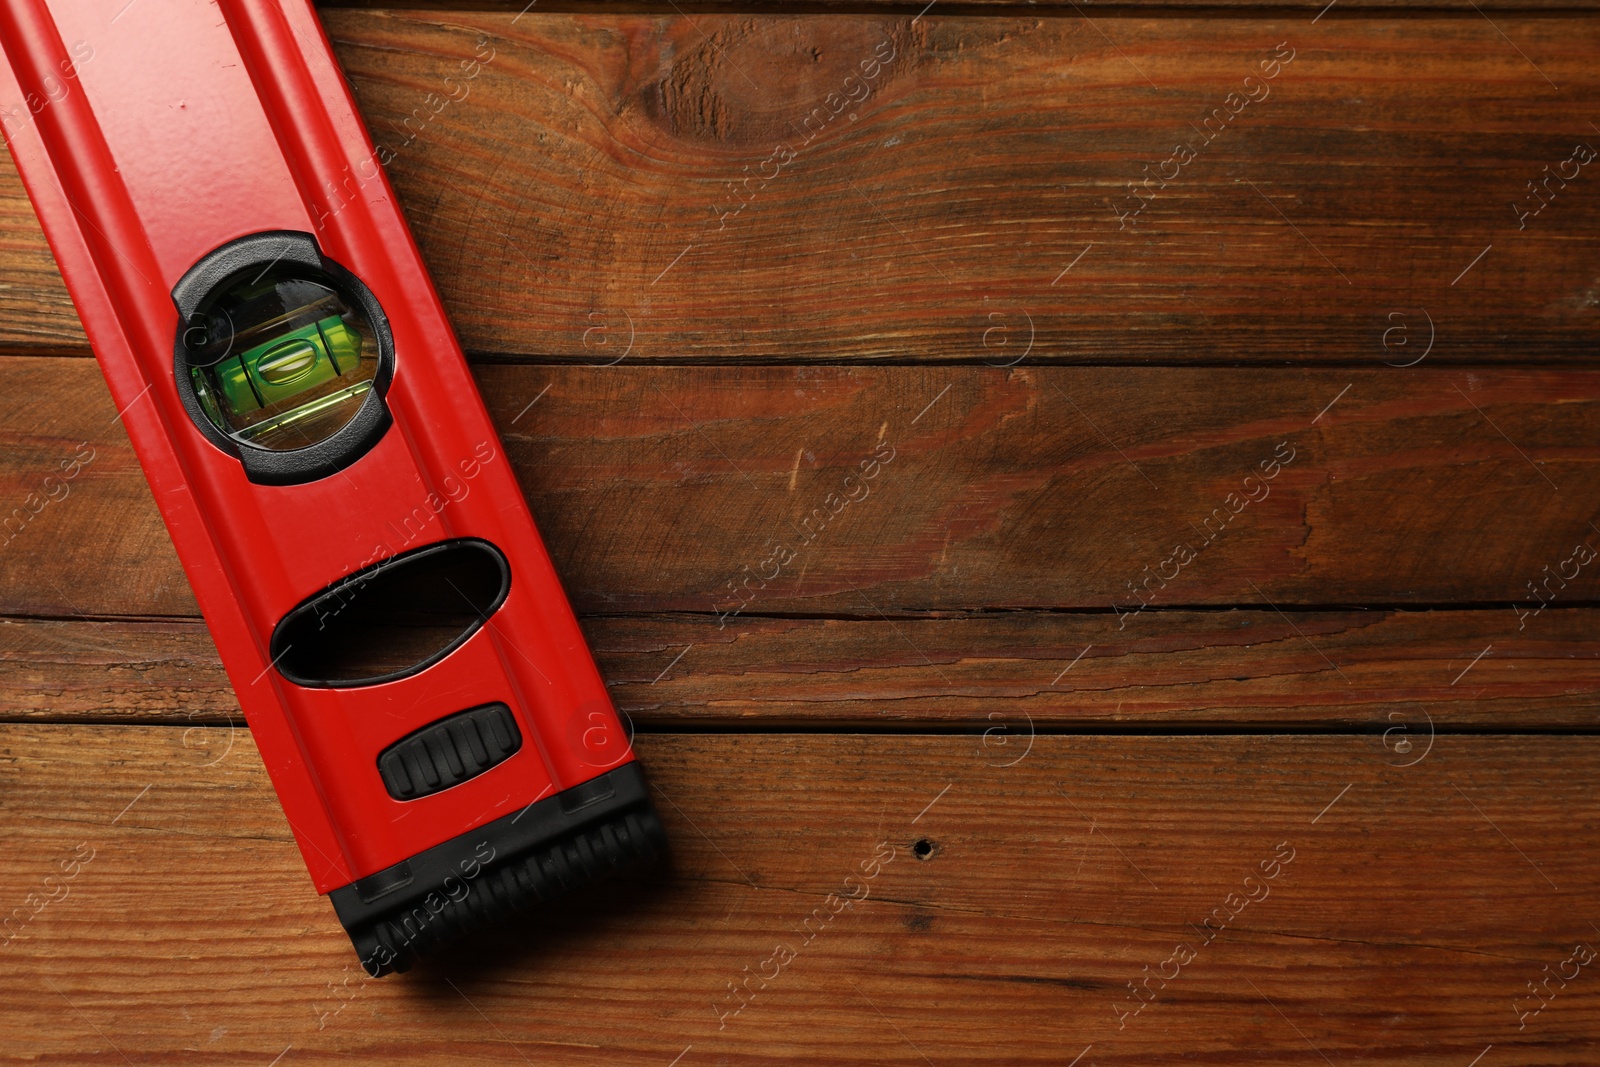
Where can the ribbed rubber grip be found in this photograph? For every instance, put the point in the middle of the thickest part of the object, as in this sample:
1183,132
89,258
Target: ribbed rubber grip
448,752
599,828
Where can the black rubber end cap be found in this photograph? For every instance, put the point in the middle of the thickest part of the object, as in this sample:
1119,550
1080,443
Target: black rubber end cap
602,827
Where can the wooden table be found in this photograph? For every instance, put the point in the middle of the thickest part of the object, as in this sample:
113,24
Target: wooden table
1206,671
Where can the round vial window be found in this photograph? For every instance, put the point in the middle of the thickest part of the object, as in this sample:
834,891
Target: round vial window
280,359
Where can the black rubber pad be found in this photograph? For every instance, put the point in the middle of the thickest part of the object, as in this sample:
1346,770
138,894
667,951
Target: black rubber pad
598,829
449,751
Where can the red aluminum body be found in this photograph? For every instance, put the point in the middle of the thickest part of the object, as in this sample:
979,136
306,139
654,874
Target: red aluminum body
149,136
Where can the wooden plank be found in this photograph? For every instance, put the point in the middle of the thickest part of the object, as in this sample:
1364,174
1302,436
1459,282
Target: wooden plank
579,200
1418,904
36,313
682,488
1008,675
1047,8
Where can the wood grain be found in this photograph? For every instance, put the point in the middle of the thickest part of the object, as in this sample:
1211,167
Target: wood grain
571,204
1418,903
1048,8
1400,674
672,488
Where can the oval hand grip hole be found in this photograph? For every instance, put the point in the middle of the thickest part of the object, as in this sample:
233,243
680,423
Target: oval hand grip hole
394,618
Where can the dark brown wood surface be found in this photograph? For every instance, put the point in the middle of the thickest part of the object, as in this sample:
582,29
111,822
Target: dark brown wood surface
1385,664
1007,675
582,194
1042,487
1417,904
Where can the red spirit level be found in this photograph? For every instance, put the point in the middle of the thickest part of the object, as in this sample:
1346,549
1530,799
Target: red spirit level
413,676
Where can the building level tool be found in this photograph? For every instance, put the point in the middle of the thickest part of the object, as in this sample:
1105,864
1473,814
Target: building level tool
413,677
